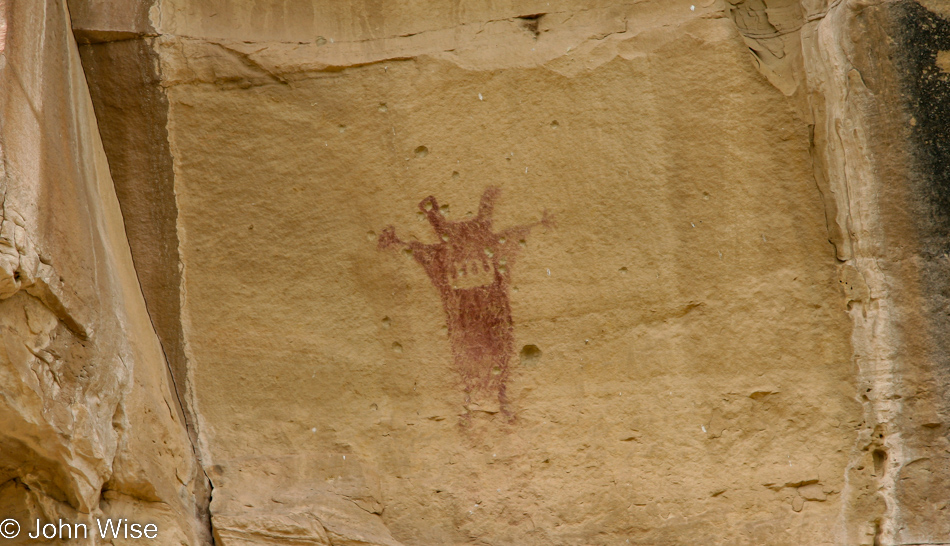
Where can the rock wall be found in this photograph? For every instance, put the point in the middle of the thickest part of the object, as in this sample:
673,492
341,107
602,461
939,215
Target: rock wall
91,426
497,273
692,374
870,78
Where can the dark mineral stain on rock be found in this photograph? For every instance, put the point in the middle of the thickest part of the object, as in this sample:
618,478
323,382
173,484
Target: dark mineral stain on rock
922,55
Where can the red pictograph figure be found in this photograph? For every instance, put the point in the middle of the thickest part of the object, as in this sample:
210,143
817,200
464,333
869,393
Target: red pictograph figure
471,269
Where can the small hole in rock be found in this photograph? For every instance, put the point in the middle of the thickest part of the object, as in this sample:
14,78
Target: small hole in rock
397,347
880,457
530,355
530,24
421,151
387,322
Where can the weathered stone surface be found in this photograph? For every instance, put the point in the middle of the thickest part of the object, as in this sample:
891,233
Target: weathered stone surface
514,273
875,85
90,423
260,500
695,370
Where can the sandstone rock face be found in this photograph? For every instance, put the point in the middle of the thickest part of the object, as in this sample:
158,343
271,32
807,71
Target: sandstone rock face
695,376
91,426
508,273
871,77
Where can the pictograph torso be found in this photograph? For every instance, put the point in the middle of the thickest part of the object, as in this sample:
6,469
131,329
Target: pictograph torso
471,269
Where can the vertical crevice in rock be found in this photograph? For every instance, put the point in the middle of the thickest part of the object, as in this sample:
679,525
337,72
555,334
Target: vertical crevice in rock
122,73
836,97
130,110
89,425
871,83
